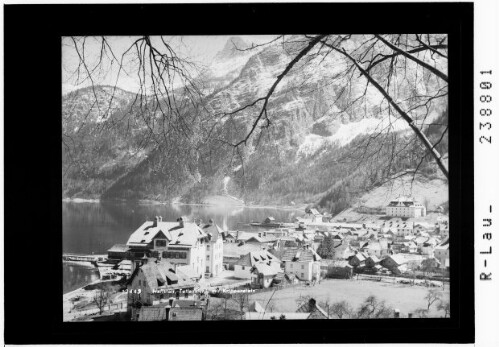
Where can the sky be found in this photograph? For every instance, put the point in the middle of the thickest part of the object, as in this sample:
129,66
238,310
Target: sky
199,49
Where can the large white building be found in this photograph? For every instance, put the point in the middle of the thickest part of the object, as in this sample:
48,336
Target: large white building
405,207
214,249
181,243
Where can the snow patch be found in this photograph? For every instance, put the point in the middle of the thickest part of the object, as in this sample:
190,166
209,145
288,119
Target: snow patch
311,144
347,132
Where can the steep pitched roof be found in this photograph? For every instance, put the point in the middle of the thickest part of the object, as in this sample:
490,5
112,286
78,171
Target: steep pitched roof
256,307
261,239
186,271
402,201
300,255
360,256
266,268
213,231
119,248
159,273
256,257
398,259
174,233
374,258
312,308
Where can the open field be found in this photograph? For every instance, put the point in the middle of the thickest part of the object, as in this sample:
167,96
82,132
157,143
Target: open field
406,298
435,190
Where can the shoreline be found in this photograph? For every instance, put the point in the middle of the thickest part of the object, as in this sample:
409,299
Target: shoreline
156,202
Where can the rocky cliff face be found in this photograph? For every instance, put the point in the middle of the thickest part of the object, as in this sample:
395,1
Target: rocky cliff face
311,122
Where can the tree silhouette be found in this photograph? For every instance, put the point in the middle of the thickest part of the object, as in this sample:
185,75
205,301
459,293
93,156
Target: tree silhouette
406,72
432,296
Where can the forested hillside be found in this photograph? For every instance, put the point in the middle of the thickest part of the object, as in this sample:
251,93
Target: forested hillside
319,149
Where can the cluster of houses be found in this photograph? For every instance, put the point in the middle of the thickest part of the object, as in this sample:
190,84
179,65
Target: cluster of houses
171,263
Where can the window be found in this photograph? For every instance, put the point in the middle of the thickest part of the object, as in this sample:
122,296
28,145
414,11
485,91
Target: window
207,257
303,267
302,274
207,247
291,265
175,255
242,267
160,243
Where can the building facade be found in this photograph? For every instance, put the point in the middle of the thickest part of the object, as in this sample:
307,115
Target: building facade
304,263
181,243
214,249
405,207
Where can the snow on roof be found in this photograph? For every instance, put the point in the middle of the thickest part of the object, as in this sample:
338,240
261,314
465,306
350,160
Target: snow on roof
213,231
256,257
398,259
159,272
301,255
187,271
119,248
187,235
234,249
267,269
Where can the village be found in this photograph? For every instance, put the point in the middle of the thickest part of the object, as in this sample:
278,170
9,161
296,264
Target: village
195,270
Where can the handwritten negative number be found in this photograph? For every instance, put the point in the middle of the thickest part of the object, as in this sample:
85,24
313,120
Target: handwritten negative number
486,124
486,138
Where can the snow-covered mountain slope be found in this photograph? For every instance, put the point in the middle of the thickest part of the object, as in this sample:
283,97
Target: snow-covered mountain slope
310,111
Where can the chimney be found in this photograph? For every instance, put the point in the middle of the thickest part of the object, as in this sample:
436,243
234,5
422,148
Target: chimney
160,219
259,234
180,222
210,222
198,221
155,222
264,233
409,315
397,313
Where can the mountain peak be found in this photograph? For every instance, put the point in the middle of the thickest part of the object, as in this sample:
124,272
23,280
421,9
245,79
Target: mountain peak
232,48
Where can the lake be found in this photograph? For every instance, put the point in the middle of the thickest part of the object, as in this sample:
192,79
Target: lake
95,227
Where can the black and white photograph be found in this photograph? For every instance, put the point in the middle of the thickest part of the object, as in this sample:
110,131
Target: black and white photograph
255,177
188,173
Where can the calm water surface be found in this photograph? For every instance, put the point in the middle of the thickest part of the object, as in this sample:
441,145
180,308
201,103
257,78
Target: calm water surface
95,227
